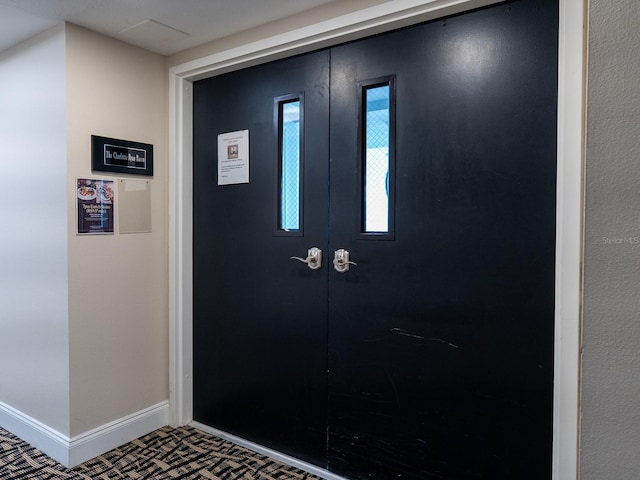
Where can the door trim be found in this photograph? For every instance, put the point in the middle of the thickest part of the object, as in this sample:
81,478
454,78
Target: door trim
384,17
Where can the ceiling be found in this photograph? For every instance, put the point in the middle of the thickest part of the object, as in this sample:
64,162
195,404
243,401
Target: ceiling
161,26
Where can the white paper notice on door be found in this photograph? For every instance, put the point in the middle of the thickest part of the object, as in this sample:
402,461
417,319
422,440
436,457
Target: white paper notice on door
233,157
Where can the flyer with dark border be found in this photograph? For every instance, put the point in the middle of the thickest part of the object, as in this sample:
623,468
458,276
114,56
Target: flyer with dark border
95,199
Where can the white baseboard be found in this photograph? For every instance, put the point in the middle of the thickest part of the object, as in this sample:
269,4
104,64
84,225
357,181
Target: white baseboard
111,435
36,433
73,451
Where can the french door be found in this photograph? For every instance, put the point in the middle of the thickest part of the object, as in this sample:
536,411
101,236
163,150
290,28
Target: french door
427,155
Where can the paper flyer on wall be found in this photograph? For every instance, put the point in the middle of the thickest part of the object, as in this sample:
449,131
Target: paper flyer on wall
233,157
95,200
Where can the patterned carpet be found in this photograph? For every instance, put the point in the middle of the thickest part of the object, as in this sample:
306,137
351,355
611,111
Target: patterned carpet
168,453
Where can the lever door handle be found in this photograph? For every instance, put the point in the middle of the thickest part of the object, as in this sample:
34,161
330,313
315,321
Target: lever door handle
313,260
341,260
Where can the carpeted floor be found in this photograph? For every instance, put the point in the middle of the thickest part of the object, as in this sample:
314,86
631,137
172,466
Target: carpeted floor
168,453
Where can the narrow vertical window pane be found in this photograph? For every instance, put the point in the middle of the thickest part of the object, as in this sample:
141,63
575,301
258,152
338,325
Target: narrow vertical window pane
290,166
376,161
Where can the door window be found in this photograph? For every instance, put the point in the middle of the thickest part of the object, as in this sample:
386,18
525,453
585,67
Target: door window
289,125
377,172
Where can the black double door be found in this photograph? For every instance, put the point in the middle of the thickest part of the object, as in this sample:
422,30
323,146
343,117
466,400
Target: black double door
432,357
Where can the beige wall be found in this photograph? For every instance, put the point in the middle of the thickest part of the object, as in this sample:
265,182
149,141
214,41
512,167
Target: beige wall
304,19
118,284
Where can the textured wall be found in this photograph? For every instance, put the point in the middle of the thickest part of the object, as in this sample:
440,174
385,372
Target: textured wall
34,345
611,364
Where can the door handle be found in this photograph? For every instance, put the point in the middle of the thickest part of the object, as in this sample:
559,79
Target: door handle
341,260
313,260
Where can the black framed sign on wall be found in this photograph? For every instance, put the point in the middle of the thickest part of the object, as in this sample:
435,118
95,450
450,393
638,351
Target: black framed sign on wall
121,156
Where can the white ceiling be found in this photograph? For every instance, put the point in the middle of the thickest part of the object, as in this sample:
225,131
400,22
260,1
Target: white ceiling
162,26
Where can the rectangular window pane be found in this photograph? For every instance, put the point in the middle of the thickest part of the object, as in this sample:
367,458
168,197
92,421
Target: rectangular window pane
376,161
290,165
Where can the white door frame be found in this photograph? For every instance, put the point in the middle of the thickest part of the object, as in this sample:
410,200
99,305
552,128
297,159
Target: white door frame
384,17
